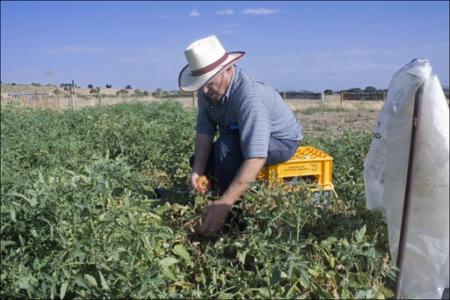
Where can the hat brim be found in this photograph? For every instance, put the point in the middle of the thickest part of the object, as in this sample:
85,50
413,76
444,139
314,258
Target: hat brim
189,83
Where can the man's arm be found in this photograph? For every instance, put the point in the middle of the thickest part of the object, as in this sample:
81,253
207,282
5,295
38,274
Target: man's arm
217,212
247,173
203,145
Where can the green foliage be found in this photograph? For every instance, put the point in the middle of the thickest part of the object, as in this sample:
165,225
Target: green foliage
328,92
90,86
160,93
139,93
370,89
157,92
323,108
354,90
166,94
108,86
79,219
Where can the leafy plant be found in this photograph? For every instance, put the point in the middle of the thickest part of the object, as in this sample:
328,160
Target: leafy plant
80,218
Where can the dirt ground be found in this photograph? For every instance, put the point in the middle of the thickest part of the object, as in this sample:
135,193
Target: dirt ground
333,117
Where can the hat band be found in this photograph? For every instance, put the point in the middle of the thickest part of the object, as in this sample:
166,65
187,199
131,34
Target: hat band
210,67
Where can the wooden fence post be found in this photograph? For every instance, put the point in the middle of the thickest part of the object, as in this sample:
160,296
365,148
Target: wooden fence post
71,93
342,97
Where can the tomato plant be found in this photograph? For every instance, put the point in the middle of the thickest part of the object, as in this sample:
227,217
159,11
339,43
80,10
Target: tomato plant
80,218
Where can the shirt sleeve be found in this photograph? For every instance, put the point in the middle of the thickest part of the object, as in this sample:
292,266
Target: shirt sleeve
254,127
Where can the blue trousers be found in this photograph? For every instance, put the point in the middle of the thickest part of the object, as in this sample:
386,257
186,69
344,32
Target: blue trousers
226,158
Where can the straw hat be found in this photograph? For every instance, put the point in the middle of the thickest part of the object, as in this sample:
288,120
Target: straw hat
206,57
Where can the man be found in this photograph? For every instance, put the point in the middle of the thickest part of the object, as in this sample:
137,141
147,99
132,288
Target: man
256,127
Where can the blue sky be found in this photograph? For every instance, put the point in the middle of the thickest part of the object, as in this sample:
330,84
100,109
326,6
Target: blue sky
289,45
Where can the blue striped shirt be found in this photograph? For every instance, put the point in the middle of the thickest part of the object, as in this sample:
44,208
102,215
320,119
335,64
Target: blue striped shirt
253,108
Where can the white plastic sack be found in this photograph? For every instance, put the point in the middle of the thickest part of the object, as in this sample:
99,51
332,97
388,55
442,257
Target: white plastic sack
425,271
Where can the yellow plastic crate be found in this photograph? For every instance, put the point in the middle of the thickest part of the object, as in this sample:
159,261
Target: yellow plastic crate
307,161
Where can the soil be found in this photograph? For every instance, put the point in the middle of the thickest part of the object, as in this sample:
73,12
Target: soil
336,123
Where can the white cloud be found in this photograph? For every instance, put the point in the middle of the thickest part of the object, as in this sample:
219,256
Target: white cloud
260,11
194,13
226,12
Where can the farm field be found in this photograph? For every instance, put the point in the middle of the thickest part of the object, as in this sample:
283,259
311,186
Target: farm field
80,217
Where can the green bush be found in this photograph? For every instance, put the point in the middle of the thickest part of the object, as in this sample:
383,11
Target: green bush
80,220
139,93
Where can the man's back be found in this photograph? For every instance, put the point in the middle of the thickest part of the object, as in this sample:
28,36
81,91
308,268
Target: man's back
260,113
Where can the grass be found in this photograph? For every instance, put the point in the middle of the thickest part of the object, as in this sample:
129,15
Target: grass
309,108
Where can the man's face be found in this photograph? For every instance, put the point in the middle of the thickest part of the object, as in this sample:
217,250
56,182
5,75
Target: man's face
217,86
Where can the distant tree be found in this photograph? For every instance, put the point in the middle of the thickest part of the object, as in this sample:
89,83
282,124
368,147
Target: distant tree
90,86
164,94
139,93
328,92
370,89
13,83
95,91
157,92
122,92
175,93
128,87
354,90
108,86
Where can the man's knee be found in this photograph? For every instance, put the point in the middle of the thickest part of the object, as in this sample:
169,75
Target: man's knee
227,148
280,151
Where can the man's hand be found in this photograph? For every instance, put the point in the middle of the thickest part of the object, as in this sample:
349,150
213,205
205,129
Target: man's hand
200,183
194,178
214,218
217,212
203,146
